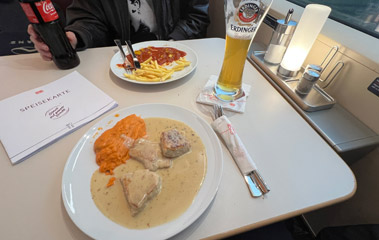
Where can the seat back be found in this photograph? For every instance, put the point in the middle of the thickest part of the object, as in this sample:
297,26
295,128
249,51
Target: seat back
216,14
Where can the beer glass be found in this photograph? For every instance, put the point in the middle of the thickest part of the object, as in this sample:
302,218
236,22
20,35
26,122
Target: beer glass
242,18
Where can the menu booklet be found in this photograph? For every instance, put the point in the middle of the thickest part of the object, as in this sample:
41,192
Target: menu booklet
33,119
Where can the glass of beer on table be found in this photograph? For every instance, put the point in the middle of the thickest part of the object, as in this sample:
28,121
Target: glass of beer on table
242,18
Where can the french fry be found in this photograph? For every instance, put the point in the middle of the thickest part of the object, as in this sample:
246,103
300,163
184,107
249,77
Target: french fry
151,71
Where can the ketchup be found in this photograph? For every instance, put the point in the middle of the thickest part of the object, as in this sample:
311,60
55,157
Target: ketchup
163,55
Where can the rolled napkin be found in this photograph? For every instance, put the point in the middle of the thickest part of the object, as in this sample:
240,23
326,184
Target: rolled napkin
245,163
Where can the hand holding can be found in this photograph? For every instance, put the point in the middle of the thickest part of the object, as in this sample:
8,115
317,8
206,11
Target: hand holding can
45,22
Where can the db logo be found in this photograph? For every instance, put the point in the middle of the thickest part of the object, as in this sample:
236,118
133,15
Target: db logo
230,130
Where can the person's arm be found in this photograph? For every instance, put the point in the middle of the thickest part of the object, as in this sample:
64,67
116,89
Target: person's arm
86,18
193,22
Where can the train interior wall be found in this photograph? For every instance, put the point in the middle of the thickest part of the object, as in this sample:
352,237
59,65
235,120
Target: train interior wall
349,88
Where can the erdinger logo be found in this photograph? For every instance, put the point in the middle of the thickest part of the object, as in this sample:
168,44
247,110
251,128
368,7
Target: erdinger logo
248,12
48,7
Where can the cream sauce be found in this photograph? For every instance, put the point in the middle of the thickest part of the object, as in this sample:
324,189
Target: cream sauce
180,183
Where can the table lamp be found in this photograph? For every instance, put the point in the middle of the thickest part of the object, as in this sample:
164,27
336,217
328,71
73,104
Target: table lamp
311,22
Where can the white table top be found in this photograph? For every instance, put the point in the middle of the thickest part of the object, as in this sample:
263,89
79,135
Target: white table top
302,170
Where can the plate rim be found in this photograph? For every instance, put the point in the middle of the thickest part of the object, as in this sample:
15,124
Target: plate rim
214,181
139,45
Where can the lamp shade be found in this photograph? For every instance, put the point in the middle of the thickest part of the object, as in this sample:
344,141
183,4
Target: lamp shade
311,22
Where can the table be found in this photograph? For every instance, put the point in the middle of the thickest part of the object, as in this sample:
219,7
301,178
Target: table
302,170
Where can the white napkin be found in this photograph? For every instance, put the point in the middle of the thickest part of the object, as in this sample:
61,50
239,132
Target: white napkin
35,118
206,96
224,128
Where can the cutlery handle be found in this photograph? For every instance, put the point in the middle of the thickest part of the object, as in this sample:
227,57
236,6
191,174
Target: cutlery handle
259,181
254,189
118,43
131,51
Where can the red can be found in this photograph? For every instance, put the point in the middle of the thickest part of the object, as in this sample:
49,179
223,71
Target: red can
45,20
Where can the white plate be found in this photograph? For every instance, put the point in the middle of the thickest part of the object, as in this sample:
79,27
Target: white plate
81,164
191,56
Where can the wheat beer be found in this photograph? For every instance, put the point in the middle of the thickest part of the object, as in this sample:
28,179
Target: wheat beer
230,77
243,18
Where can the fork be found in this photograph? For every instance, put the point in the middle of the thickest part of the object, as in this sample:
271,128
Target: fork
218,111
132,53
128,68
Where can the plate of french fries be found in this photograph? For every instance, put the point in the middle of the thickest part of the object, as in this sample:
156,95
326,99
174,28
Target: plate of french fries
152,72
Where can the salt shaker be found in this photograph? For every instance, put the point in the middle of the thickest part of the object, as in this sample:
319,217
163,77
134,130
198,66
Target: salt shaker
307,81
280,39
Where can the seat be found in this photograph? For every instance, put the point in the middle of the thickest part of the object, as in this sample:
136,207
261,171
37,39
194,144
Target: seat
14,38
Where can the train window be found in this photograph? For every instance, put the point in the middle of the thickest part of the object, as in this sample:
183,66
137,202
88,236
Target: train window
362,15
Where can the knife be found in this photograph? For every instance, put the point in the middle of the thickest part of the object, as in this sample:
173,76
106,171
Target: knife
245,163
118,43
126,63
131,51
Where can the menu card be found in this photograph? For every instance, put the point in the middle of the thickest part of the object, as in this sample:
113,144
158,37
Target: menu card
33,119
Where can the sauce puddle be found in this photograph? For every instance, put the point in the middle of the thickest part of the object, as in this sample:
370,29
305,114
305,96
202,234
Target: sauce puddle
180,183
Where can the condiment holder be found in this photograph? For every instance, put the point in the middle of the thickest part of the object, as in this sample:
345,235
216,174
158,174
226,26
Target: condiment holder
314,100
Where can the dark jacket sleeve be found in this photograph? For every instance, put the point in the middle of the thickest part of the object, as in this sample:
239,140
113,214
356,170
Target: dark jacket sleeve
97,22
93,28
193,22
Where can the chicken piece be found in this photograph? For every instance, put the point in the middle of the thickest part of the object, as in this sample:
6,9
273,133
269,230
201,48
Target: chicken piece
174,144
139,188
149,154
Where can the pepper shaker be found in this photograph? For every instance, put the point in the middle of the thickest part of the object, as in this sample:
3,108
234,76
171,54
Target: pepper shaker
314,67
307,81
